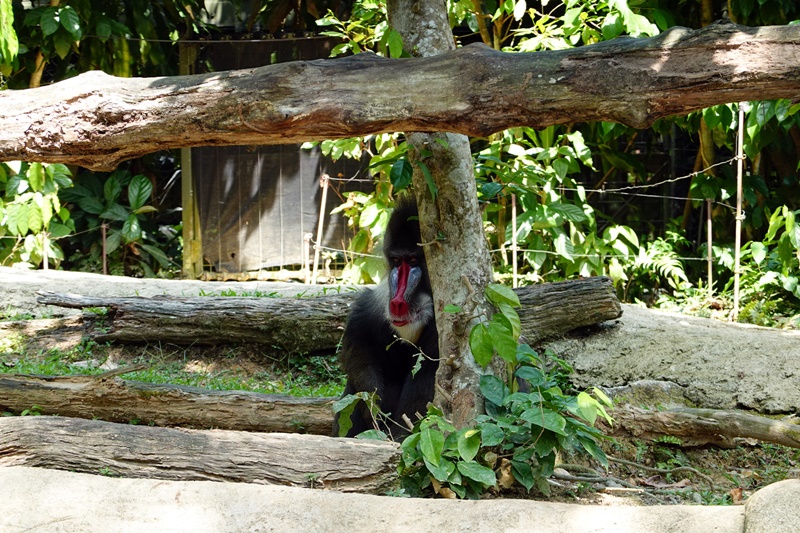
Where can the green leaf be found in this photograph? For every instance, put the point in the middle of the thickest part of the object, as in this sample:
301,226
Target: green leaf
513,319
503,339
561,166
401,174
594,450
431,444
71,22
49,21
92,205
543,417
469,442
345,407
36,176
428,179
493,389
452,308
481,345
523,473
759,251
17,218
442,471
139,191
395,43
131,229
571,212
498,294
159,255
477,472
587,407
115,212
63,43
491,434
112,189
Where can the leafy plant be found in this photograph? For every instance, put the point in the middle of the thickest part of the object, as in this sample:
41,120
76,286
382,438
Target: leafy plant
529,419
32,217
120,203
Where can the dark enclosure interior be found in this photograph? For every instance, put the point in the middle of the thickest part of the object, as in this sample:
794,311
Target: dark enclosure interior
258,204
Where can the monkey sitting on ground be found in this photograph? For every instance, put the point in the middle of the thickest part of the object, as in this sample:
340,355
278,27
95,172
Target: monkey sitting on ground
387,329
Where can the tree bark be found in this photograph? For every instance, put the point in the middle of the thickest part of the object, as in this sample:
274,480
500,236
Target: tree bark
307,325
456,250
117,400
700,427
97,121
97,447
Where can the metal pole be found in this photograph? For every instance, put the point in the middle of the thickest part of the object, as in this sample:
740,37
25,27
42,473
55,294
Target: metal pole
738,236
318,245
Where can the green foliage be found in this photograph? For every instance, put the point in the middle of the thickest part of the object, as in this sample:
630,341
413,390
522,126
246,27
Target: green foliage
32,217
121,203
523,429
366,29
529,418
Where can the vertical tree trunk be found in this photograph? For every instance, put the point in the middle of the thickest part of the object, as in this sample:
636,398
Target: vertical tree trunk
455,247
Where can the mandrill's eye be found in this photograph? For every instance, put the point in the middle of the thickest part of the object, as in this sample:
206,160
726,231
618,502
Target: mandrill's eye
396,261
413,261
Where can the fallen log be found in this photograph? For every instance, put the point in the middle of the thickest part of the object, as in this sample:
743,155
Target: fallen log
93,446
116,400
699,427
316,324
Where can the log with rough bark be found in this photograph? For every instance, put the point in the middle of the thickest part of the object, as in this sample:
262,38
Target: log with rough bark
113,399
97,447
97,121
699,427
316,324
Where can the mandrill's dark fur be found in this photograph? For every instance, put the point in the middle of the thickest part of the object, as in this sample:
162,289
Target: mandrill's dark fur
388,327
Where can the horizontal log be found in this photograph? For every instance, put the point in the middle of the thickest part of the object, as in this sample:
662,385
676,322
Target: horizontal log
700,427
98,121
316,324
97,447
117,400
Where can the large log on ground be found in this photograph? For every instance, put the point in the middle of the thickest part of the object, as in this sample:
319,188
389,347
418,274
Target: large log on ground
316,324
93,446
699,427
117,400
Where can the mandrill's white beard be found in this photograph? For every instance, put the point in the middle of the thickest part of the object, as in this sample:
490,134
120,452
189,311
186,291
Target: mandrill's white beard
420,312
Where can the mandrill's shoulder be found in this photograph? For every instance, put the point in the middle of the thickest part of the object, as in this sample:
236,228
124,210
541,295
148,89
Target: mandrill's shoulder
369,309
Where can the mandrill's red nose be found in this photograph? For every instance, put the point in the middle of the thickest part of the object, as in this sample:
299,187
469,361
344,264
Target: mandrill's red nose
398,307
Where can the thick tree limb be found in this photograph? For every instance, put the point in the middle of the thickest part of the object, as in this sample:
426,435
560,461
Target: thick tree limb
92,446
97,121
316,324
698,427
117,400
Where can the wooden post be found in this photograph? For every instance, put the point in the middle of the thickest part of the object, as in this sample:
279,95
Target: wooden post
105,259
45,244
514,281
192,238
323,182
738,236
